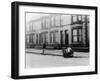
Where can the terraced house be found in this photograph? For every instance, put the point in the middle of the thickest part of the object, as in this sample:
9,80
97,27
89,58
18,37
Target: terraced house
59,30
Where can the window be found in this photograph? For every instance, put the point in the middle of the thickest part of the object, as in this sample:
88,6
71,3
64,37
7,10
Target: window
88,18
33,38
83,18
65,19
27,39
57,20
52,37
30,38
56,36
75,18
41,38
28,28
52,21
77,35
80,35
79,18
45,37
43,23
47,22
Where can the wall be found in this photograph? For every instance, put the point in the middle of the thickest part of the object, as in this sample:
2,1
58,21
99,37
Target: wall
5,40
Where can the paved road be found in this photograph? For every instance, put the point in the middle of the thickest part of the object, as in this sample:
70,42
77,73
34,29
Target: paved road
38,60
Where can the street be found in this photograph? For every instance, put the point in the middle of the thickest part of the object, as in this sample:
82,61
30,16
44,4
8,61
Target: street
54,58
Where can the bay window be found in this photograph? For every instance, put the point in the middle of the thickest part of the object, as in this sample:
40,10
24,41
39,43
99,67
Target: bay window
77,35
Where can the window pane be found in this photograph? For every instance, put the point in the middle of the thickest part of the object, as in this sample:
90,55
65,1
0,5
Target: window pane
79,18
46,37
47,22
33,38
28,39
83,18
51,37
57,20
43,23
75,39
80,31
80,38
65,19
75,32
74,18
41,37
56,38
52,21
87,18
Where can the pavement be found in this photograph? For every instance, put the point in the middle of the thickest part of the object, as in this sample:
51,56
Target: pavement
46,51
53,58
54,52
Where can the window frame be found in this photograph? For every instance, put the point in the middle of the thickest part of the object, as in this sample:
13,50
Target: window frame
78,35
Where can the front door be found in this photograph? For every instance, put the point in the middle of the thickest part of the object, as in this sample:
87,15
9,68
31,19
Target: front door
61,37
66,37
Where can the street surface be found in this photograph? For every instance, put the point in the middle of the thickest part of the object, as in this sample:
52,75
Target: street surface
53,58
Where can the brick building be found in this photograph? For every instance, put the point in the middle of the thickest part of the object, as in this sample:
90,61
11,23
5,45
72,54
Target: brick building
59,30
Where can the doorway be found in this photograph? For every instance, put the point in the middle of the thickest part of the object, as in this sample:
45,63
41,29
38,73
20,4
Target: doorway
61,37
66,37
